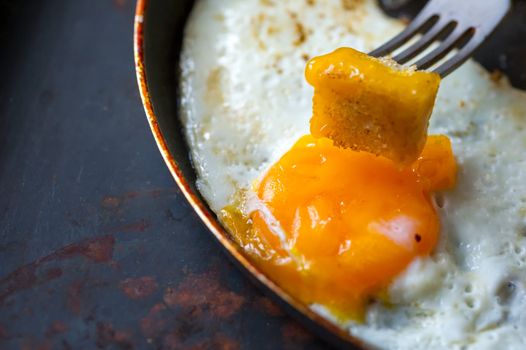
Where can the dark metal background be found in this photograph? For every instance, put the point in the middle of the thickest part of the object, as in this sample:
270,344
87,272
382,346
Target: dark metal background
97,246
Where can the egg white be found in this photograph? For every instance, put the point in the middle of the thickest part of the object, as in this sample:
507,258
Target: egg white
245,102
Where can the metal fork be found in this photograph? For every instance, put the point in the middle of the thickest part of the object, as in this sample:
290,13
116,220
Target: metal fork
456,24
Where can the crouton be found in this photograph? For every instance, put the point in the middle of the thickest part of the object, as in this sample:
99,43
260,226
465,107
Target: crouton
371,104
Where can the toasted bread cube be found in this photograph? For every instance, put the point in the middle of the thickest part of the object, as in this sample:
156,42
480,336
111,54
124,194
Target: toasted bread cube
371,104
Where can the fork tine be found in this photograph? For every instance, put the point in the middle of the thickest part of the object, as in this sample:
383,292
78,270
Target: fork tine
455,61
438,29
443,49
469,22
414,27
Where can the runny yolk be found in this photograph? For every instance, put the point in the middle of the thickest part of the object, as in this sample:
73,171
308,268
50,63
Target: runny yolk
334,226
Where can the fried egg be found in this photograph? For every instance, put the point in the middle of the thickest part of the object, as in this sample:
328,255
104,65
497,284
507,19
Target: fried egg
334,226
245,103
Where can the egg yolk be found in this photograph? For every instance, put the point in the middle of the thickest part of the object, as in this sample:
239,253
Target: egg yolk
334,226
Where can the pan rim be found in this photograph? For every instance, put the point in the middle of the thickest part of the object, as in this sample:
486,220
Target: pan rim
293,307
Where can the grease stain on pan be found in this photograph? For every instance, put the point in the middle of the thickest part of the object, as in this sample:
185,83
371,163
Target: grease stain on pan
203,294
98,250
139,288
107,336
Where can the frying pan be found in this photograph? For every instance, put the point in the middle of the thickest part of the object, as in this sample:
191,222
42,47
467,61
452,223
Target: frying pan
158,36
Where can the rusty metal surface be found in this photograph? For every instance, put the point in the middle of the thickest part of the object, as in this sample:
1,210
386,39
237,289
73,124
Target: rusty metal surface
98,248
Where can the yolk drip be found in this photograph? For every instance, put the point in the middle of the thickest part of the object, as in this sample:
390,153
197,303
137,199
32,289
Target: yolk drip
334,226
